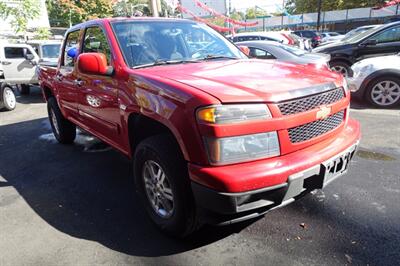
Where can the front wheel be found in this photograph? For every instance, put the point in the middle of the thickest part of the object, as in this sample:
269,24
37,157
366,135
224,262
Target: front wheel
162,183
384,92
7,99
341,68
63,130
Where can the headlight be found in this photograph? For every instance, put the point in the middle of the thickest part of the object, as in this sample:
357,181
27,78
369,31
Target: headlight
242,148
233,113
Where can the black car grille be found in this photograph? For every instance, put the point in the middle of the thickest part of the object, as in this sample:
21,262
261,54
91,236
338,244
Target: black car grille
316,128
310,102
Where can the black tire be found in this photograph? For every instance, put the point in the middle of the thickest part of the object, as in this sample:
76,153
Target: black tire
63,130
8,100
392,80
341,67
164,151
24,89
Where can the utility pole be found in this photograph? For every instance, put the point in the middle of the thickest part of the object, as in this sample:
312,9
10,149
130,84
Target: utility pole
154,8
283,11
319,14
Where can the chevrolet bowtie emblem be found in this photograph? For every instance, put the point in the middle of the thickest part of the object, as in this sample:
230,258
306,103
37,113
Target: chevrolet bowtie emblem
323,112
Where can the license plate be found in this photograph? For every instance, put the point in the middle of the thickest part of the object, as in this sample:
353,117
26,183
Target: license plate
338,165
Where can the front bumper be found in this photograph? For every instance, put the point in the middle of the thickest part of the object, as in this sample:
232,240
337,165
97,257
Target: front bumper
263,185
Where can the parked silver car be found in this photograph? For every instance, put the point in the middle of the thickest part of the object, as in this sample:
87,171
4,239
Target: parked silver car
274,50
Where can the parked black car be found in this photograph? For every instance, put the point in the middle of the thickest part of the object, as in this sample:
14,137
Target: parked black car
310,34
382,40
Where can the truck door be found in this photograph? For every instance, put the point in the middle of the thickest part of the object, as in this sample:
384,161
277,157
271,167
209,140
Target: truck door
98,95
16,66
64,82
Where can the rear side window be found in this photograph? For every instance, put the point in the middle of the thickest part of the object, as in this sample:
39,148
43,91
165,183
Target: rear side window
390,35
95,41
15,52
260,54
72,42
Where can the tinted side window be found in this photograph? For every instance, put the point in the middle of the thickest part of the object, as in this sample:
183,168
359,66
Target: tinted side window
308,34
390,35
261,54
72,42
95,41
14,52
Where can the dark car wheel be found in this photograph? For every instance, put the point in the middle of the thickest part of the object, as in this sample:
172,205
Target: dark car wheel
162,183
63,130
341,67
24,89
383,92
7,98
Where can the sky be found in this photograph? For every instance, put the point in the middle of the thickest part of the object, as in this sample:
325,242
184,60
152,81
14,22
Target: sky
269,5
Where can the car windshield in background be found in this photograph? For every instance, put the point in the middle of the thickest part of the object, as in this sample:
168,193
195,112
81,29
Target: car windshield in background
358,37
293,50
51,50
146,43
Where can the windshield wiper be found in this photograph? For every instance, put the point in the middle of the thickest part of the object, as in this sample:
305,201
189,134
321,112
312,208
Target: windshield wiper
215,56
161,62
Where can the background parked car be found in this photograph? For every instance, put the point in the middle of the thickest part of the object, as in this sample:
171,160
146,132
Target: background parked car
274,50
310,34
381,40
348,35
377,80
285,37
48,51
19,68
326,36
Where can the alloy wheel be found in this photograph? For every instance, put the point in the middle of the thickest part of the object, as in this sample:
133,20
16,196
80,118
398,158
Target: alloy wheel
158,189
385,93
9,98
340,69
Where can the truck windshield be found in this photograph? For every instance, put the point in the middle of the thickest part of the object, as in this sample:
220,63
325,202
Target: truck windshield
51,50
146,43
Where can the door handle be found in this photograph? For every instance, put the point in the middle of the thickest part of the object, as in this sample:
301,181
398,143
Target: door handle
78,82
5,63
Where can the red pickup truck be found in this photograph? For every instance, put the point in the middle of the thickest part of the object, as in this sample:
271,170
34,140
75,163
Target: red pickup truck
213,136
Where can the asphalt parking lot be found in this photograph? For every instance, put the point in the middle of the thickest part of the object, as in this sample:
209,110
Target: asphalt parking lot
75,205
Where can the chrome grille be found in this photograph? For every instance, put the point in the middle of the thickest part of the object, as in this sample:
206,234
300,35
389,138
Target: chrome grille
316,128
310,102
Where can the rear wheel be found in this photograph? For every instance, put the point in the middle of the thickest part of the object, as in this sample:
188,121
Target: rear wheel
63,130
24,89
384,92
8,100
341,67
162,183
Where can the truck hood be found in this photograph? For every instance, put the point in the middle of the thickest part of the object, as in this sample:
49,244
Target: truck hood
249,80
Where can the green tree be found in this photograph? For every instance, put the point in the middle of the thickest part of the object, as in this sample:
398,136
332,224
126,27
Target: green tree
237,15
255,13
43,33
62,13
309,6
20,14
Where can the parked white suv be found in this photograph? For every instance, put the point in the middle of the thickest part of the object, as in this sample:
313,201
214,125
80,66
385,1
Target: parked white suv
18,63
377,80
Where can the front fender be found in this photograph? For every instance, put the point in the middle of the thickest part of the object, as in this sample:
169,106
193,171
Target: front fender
170,103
